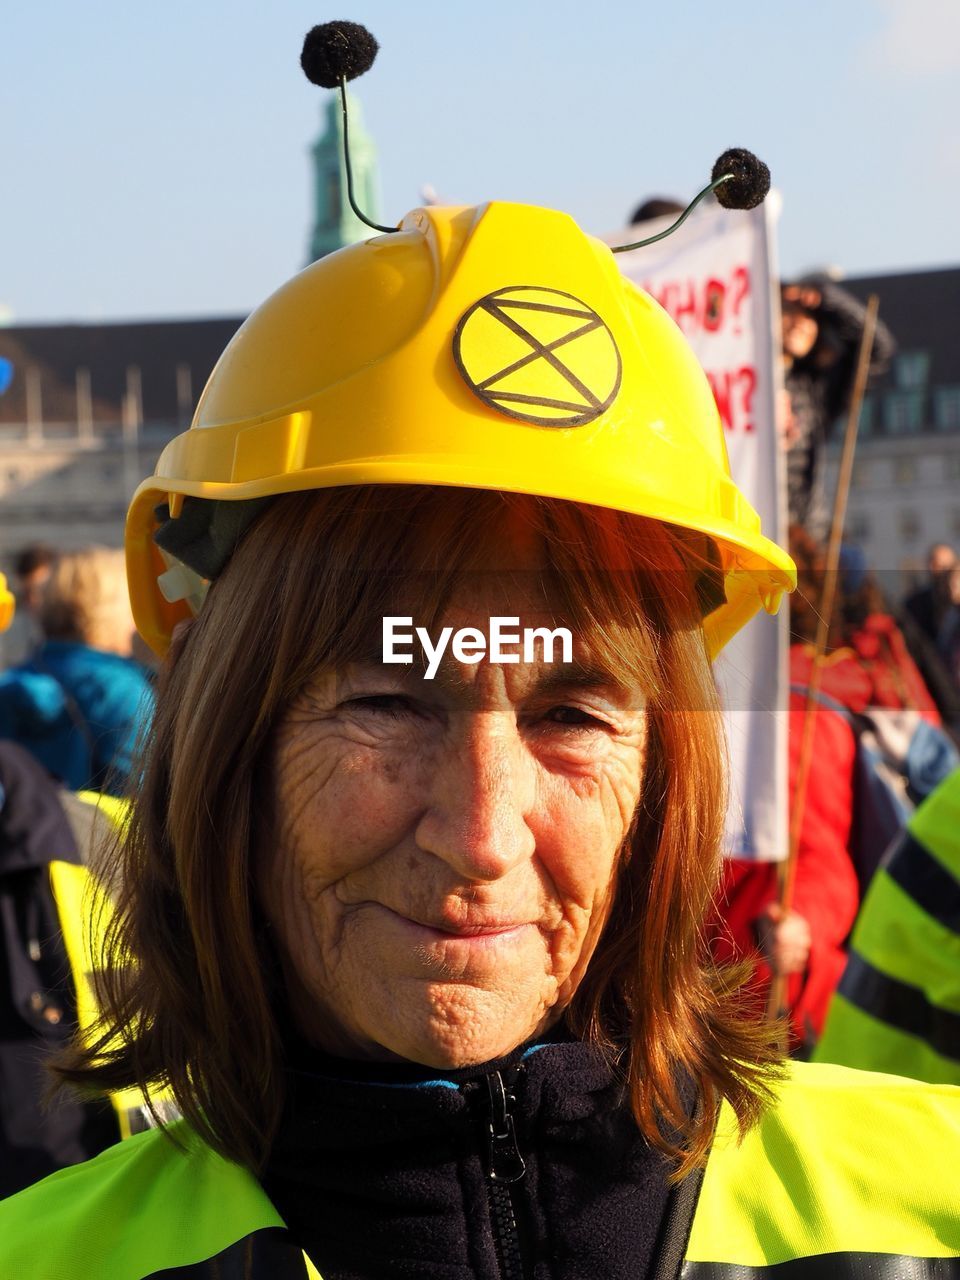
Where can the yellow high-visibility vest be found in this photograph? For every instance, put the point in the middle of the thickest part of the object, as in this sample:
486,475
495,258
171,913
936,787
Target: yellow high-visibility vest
849,1174
897,1007
83,909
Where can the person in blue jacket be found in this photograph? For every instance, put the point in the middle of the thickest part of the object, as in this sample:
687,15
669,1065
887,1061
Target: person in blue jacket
80,702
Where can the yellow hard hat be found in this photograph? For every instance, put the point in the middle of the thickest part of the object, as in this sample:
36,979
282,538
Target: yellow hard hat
495,347
8,606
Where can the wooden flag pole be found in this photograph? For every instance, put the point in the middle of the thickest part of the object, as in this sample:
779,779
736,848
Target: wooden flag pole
776,1005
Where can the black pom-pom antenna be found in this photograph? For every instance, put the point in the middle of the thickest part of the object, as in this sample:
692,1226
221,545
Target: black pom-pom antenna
332,54
739,181
336,52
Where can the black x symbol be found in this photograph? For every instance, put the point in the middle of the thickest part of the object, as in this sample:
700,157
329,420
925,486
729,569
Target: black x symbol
540,351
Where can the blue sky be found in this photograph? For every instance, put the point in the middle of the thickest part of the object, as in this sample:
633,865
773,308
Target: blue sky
154,158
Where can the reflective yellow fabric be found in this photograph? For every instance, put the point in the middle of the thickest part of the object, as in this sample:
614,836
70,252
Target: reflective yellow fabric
844,1163
112,807
80,907
83,909
141,1207
858,1039
936,824
898,1004
847,1162
898,937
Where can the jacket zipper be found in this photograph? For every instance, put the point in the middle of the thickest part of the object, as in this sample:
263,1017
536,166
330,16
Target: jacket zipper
505,1168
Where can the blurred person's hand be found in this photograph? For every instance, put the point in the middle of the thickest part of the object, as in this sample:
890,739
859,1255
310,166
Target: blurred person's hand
786,422
785,939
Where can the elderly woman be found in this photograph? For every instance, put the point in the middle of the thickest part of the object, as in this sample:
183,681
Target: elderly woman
409,908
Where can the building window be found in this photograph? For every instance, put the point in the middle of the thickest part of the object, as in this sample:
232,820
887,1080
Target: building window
946,408
903,412
909,525
910,370
904,471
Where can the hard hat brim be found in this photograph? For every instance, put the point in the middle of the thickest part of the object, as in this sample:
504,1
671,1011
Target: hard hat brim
756,571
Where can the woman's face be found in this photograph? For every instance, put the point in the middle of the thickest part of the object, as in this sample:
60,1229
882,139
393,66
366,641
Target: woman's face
444,851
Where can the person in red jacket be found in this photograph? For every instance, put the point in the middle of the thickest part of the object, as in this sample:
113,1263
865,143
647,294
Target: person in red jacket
867,665
878,639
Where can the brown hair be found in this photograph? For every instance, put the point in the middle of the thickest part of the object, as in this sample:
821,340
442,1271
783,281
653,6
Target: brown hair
34,556
306,590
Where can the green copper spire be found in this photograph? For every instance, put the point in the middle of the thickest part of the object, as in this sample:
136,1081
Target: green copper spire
334,223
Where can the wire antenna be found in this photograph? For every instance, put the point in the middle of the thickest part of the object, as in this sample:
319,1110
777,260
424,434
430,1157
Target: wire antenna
349,168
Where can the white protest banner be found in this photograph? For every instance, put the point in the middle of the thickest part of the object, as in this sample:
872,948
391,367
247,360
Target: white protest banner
715,277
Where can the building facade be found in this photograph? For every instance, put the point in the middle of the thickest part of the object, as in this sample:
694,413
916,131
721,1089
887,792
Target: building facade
86,409
905,492
84,412
334,222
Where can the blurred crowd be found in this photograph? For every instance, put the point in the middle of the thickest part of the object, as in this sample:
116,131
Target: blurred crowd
885,732
74,701
881,713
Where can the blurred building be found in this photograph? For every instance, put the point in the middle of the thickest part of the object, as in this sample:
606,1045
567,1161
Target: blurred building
86,409
905,493
84,412
334,222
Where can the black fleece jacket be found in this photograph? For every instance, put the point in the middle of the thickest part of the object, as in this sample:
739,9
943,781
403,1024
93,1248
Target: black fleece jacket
386,1172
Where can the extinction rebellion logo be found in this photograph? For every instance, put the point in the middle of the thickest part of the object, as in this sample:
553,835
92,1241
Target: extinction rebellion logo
538,355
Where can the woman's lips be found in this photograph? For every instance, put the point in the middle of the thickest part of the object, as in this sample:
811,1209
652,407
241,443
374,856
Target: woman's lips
476,933
470,931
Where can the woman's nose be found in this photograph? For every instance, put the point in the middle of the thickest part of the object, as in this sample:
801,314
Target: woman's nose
482,795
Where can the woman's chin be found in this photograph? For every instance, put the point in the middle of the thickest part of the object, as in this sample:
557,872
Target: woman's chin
464,1035
439,1057
443,1025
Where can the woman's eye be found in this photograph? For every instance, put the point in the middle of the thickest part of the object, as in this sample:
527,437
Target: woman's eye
575,717
393,705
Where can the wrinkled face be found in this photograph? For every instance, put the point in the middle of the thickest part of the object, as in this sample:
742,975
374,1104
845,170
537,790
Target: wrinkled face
445,850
